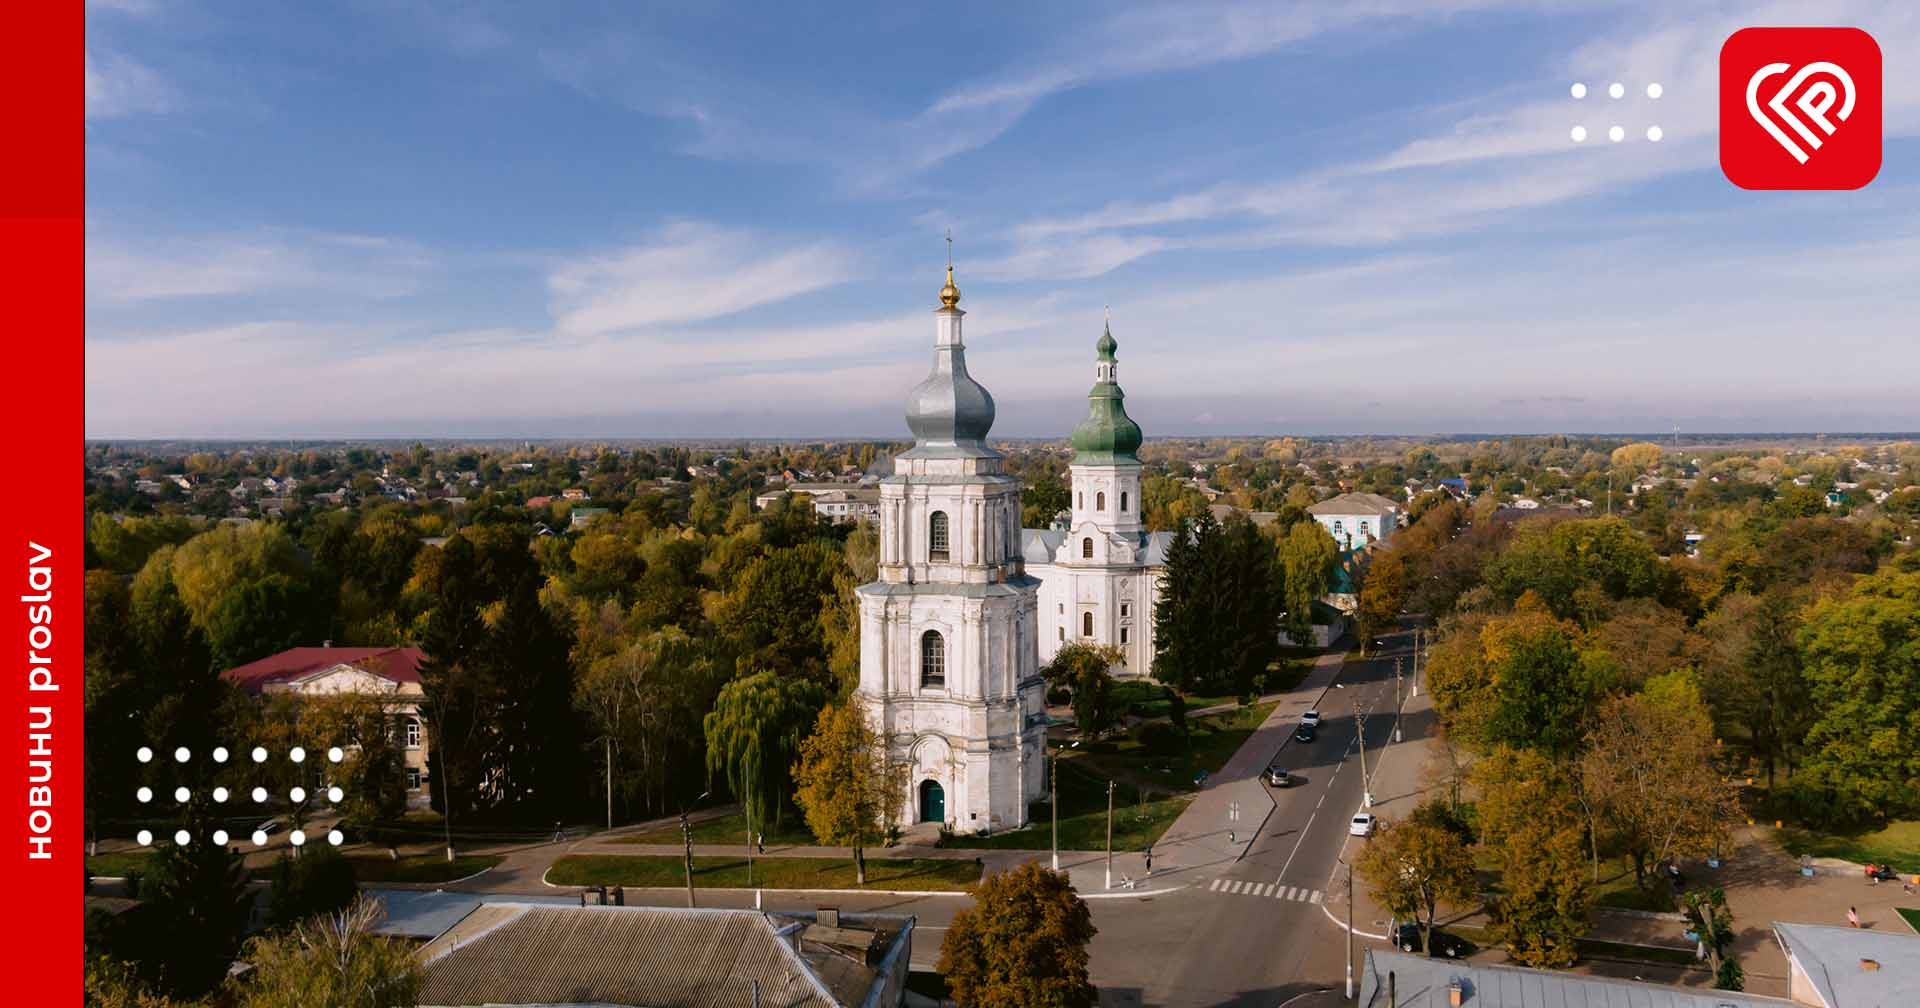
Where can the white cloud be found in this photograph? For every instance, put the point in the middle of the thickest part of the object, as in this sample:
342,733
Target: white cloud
123,268
689,272
118,86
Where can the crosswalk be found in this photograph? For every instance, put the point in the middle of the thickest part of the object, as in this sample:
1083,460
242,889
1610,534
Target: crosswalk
1269,890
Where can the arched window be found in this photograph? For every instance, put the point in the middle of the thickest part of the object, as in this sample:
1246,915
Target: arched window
412,729
1086,624
933,659
1123,502
1100,501
1082,498
1086,549
937,536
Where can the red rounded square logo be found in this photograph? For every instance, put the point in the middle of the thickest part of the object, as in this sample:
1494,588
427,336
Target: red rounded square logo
1800,108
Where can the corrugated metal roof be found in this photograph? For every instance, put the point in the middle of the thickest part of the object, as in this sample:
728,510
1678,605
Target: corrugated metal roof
1421,982
649,957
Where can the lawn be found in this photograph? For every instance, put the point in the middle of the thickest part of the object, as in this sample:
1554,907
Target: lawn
665,872
1617,888
419,867
1898,845
1083,818
729,829
118,864
1912,917
1216,738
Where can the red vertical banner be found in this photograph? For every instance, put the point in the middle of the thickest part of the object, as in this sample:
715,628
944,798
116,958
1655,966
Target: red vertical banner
43,288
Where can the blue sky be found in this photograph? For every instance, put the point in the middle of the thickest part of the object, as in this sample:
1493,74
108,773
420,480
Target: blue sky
617,219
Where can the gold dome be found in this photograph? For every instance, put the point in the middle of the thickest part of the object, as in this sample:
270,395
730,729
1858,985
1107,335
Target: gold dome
949,295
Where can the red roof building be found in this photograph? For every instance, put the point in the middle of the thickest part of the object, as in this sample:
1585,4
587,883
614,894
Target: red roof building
399,665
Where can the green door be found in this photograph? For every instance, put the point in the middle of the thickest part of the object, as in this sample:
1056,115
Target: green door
933,802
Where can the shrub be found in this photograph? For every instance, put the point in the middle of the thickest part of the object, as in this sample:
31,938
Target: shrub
1059,696
320,881
1158,738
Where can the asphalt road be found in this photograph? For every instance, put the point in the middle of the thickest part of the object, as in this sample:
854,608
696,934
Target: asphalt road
1252,934
1256,935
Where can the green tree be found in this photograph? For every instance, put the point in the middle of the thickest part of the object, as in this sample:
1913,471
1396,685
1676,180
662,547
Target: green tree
1308,557
1043,497
318,882
335,960
200,893
1529,821
1083,669
1555,561
772,617
1022,944
1413,867
754,734
849,786
1707,911
1862,659
1218,620
1649,771
1753,675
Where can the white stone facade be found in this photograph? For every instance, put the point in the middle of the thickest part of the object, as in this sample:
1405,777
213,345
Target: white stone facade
949,668
1100,579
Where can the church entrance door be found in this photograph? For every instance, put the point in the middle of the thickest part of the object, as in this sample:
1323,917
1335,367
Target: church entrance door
933,802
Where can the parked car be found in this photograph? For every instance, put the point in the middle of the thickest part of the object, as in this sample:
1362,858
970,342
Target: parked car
1407,938
1362,825
1305,733
1311,717
1279,777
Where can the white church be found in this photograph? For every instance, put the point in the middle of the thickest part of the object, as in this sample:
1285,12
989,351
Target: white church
967,603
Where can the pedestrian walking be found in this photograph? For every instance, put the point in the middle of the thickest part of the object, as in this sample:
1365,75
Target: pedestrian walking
760,841
1149,860
1853,917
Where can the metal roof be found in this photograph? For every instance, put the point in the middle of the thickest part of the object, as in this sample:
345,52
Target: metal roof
652,957
1420,982
1835,960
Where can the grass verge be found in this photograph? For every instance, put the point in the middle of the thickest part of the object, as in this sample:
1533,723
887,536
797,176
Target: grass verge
117,864
728,829
1912,917
1898,845
1083,818
646,871
419,867
1591,947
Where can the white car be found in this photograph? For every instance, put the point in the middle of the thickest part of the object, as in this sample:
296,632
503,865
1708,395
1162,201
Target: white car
1362,825
1311,717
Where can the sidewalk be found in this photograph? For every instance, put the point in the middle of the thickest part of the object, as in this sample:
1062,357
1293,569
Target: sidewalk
1206,836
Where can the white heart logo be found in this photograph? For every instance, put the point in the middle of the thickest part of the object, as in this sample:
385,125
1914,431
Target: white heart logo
1814,103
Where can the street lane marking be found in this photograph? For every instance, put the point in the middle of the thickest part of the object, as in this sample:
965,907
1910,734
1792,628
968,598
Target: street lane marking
1265,888
1216,885
1316,896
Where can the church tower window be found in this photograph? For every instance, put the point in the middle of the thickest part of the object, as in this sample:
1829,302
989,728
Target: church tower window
1086,549
933,659
1123,635
937,536
1100,501
1086,624
1123,502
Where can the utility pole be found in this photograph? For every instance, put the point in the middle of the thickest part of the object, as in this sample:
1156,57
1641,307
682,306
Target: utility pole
1349,865
1419,642
609,782
1360,732
746,812
1109,834
1053,792
1398,700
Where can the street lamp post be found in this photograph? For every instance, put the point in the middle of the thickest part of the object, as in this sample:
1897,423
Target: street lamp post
1397,700
1349,865
1360,732
1109,834
1053,795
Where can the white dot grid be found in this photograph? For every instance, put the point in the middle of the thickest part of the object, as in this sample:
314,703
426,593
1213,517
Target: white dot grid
1616,133
182,754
